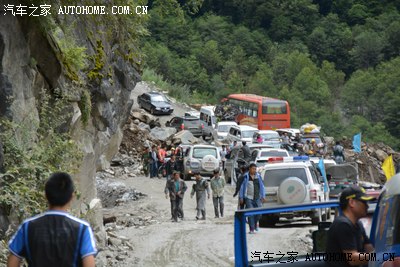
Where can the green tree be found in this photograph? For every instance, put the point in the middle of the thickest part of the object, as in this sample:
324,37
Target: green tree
210,57
367,51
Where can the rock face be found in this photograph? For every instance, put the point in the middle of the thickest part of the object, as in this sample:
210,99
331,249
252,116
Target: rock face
30,60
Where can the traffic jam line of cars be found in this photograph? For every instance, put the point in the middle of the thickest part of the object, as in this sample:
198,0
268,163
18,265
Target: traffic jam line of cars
294,185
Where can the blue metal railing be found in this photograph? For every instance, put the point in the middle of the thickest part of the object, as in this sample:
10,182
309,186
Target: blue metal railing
241,257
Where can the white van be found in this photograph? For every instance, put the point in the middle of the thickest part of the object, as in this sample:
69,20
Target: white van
209,120
241,133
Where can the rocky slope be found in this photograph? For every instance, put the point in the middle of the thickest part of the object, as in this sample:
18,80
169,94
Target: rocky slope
31,59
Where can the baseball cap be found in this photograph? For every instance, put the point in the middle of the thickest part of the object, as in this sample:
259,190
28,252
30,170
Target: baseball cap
354,192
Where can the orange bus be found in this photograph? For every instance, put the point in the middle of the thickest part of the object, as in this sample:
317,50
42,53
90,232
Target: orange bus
262,112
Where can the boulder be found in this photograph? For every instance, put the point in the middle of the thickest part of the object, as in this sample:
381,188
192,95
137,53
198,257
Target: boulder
162,134
144,126
184,137
381,155
151,120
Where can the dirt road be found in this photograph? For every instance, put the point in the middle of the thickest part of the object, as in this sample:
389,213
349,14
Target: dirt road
192,242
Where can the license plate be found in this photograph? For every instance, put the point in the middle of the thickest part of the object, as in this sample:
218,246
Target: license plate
208,164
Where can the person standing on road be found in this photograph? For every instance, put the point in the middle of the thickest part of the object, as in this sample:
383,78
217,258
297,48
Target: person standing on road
175,189
170,167
54,237
217,187
153,162
223,154
146,161
285,139
252,194
347,233
338,153
161,153
246,152
200,187
243,170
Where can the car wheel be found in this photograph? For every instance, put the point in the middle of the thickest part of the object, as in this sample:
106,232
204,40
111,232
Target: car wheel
315,220
269,220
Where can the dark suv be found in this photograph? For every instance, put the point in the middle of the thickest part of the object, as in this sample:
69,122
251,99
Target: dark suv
155,102
190,123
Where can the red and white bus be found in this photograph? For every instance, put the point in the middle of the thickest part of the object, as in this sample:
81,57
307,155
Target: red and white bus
262,112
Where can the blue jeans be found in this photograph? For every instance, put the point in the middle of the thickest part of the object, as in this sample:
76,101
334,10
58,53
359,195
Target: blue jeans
153,169
253,220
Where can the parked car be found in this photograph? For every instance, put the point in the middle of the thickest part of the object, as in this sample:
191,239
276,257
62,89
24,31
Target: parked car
192,114
192,124
155,103
261,156
269,137
209,120
222,129
294,182
201,158
241,133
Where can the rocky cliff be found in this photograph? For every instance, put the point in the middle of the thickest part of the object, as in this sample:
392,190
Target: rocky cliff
31,59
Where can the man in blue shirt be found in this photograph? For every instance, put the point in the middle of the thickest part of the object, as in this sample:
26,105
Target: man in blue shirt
54,238
252,194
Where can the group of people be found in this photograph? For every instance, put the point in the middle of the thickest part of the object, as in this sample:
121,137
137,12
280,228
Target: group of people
175,189
56,237
157,156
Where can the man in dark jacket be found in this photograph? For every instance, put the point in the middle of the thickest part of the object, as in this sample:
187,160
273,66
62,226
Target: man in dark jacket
347,235
171,166
175,189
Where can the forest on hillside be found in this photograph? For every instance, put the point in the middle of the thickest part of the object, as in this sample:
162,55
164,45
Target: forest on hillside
336,62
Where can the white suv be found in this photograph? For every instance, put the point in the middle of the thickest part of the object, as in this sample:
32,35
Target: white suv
201,158
293,183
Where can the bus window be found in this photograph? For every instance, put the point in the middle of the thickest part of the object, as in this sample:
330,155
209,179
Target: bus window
274,108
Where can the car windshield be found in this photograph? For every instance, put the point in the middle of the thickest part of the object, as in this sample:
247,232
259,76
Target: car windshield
273,153
158,98
224,128
248,133
269,136
200,152
277,176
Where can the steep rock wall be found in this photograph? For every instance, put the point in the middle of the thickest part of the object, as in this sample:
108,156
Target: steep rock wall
30,61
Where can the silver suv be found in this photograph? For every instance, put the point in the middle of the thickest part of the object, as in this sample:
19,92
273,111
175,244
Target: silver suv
294,183
201,158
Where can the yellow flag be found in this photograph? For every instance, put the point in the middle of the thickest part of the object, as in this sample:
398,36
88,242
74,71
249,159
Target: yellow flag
388,167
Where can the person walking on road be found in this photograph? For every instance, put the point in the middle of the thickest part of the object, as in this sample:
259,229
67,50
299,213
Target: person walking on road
223,154
146,161
175,189
217,187
246,152
171,166
347,234
153,162
200,187
54,238
252,194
